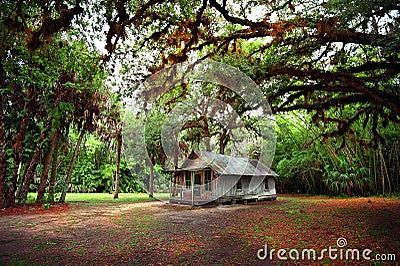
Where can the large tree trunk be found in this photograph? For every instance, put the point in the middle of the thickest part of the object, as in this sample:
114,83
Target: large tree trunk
18,144
71,166
176,155
223,141
206,132
3,162
54,165
3,202
29,176
46,168
118,163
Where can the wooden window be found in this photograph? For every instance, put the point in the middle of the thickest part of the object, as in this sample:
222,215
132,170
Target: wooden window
197,179
188,182
266,188
207,180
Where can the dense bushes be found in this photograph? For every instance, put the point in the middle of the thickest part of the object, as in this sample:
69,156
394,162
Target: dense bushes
335,166
94,170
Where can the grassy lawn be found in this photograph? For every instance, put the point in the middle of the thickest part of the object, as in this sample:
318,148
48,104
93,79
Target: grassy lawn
94,198
105,197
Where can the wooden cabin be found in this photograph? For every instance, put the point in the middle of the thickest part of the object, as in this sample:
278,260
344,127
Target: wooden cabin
206,177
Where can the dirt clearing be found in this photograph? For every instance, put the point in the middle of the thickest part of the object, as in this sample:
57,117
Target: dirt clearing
155,233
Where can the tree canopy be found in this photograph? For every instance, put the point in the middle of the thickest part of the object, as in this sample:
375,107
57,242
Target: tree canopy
318,56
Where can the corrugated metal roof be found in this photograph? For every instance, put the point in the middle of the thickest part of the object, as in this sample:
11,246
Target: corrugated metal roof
225,164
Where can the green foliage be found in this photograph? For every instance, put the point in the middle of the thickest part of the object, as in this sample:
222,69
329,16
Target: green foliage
331,166
338,60
95,168
300,173
46,206
347,179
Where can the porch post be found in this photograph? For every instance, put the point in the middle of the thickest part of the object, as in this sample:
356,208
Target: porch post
170,185
181,184
192,184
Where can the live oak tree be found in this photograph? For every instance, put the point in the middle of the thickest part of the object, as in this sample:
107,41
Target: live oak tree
317,56
325,57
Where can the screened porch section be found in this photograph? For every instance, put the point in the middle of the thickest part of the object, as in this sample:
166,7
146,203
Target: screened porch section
193,186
